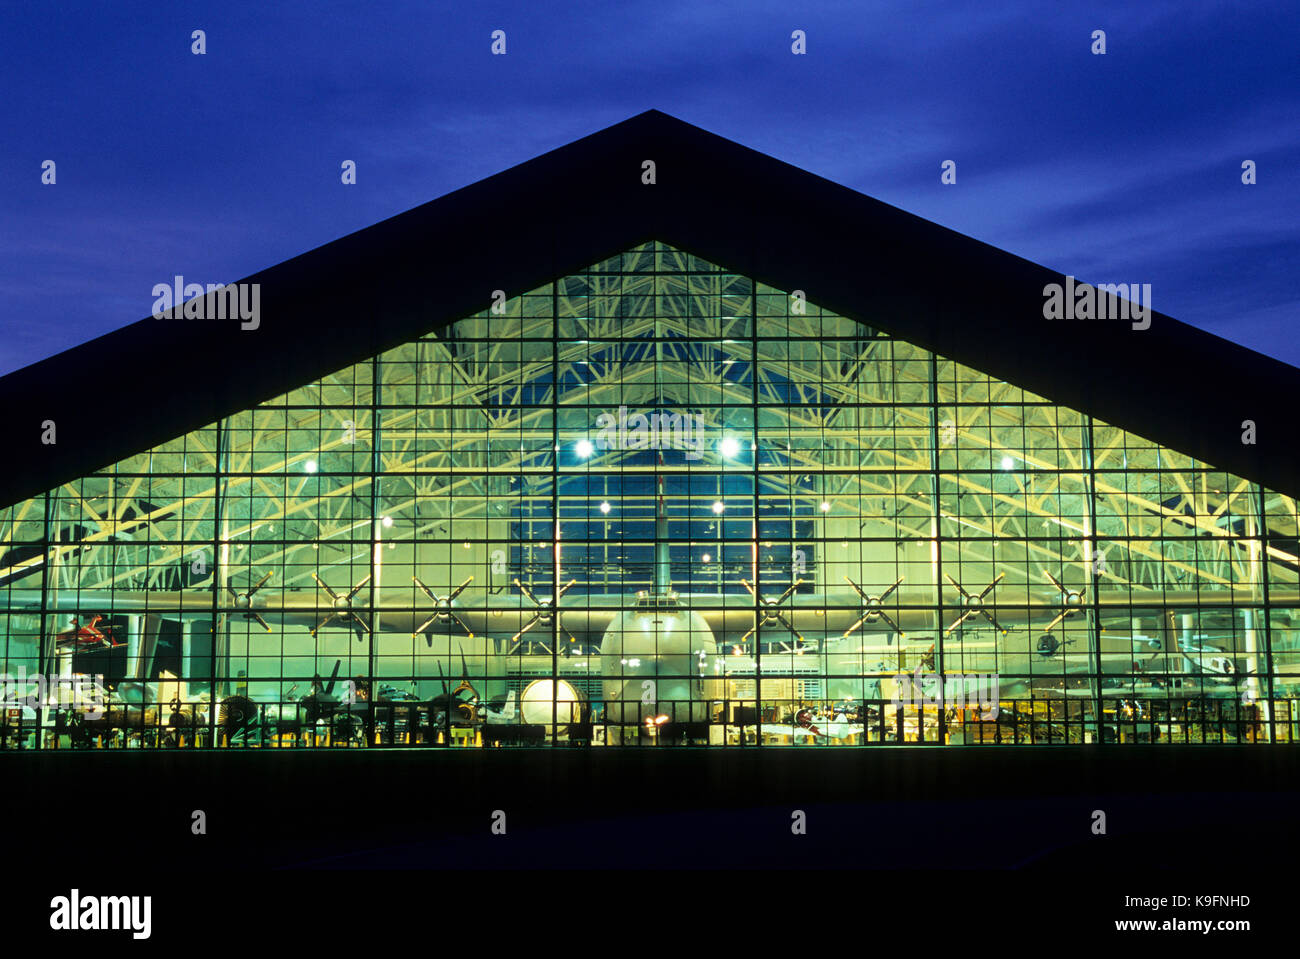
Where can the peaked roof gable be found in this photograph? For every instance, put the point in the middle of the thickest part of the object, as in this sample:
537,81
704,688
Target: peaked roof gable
421,270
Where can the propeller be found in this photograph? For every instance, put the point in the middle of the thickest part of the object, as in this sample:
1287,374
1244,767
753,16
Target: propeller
1071,602
927,661
974,604
342,607
546,609
442,611
769,612
244,601
872,610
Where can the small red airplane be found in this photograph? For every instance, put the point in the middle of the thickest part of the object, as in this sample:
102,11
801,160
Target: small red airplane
88,636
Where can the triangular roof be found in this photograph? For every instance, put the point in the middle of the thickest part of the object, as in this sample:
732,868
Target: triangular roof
416,272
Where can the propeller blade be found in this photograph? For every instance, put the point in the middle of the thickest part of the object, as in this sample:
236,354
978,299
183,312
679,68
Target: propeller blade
427,591
859,590
469,632
529,625
260,583
957,586
358,588
891,589
898,629
1059,616
786,595
989,588
323,623
231,590
529,593
989,617
334,675
928,659
960,619
360,622
564,590
264,624
326,588
856,626
425,626
745,583
459,589
788,625
1055,582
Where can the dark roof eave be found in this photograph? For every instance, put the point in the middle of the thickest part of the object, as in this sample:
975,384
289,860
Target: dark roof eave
406,276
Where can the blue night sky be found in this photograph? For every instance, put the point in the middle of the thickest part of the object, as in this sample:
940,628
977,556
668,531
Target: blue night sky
1117,168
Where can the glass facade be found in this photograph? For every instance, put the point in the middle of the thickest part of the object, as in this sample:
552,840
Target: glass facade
652,503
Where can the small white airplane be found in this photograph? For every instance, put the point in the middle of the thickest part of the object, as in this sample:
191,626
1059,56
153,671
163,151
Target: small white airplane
1203,659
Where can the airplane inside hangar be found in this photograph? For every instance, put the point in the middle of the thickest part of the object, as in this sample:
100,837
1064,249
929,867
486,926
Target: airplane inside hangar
654,503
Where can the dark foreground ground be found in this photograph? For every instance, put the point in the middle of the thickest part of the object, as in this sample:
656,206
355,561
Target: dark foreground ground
1178,820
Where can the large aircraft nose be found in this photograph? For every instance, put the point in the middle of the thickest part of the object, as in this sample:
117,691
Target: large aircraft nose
661,650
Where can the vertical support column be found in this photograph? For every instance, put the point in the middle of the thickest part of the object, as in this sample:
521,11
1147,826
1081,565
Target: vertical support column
754,504
555,508
376,469
1090,549
220,573
45,642
1269,667
936,557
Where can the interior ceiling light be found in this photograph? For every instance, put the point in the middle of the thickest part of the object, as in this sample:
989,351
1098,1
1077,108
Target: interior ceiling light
718,507
1007,462
605,507
310,466
729,446
584,448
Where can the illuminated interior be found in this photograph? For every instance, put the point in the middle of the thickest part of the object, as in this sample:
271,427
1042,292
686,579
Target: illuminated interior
652,504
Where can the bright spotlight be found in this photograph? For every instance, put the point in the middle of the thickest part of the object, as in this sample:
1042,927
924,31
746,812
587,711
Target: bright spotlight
729,446
604,507
706,557
584,448
718,507
826,507
1007,462
310,466
387,521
